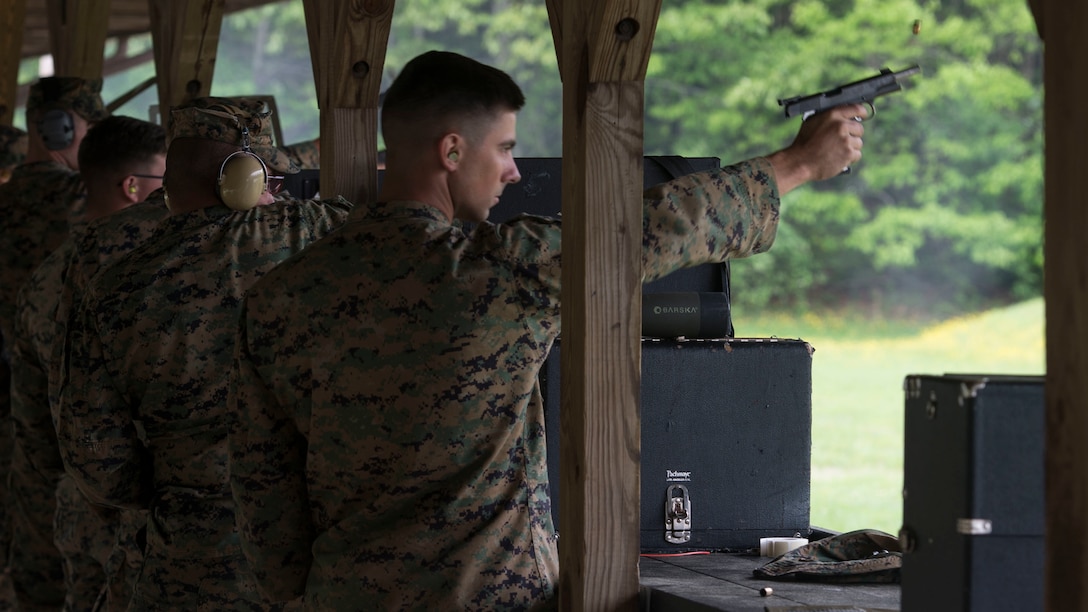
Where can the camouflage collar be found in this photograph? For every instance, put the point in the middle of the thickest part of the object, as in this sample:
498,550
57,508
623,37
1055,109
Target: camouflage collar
400,209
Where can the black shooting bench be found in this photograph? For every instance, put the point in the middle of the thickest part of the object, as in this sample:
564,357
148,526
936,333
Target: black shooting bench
724,582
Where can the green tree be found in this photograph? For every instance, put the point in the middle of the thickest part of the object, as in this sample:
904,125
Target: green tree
944,212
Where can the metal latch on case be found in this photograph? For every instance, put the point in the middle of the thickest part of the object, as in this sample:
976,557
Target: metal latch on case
974,526
677,514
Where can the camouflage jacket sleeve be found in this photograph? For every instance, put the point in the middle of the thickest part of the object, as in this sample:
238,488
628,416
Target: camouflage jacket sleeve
96,430
277,544
713,215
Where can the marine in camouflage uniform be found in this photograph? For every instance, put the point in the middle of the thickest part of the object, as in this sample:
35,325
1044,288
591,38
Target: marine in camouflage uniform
98,543
120,158
88,537
41,203
143,417
390,444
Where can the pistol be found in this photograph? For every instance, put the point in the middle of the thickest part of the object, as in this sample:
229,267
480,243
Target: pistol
858,92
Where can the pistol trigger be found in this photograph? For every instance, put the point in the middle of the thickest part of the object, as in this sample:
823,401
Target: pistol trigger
872,112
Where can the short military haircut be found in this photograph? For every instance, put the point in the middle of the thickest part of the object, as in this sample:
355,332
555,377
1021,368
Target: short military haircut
445,89
120,145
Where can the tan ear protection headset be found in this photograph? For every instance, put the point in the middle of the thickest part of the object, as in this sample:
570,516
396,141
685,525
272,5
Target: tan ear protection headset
243,177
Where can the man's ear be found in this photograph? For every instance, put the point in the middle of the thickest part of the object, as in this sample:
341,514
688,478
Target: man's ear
129,188
451,149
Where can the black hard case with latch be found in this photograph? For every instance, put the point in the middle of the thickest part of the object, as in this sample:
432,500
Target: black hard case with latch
726,433
973,494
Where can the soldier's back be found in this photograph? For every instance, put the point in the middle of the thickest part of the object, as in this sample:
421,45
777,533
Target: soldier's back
165,318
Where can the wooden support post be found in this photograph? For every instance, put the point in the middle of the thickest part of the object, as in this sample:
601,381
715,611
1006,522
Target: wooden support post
347,49
1065,72
185,36
12,16
603,49
77,35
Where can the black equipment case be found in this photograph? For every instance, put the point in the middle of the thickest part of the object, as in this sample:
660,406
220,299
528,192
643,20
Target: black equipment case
973,496
726,434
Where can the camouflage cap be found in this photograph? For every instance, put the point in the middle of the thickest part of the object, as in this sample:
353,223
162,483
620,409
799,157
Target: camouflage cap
81,96
13,142
226,120
865,555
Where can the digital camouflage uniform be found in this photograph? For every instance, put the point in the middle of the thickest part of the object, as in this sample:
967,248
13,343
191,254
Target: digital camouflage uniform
142,418
390,439
49,508
41,203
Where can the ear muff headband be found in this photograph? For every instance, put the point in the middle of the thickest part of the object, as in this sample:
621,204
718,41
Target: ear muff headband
57,129
243,177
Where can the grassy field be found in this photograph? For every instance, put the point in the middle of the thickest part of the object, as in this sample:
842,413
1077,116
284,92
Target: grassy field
857,395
